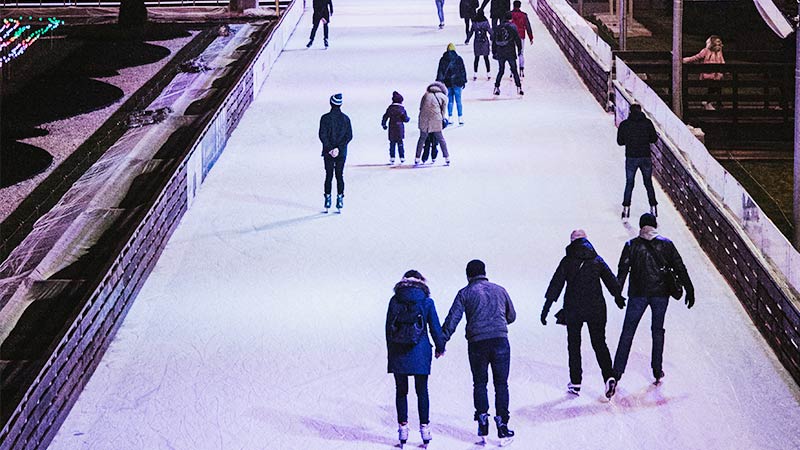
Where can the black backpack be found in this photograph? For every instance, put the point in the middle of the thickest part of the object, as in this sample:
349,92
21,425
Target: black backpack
502,36
407,324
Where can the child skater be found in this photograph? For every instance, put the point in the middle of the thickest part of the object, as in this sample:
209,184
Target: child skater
396,117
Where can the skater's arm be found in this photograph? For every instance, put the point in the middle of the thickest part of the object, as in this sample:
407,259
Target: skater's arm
511,313
348,135
405,116
652,136
677,265
624,265
556,283
693,59
330,6
528,28
324,135
388,320
384,119
611,283
453,317
435,329
621,132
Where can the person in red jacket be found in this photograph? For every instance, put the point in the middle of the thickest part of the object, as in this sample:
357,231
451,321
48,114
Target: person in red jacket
520,19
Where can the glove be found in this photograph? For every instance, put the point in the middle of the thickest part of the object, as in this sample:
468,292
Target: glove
690,299
385,127
544,316
620,301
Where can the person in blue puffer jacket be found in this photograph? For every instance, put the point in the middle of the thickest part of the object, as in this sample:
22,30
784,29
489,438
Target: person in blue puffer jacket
412,294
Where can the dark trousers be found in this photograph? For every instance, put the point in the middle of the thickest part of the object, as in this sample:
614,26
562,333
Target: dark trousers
334,166
401,400
438,136
467,21
512,64
400,149
477,59
482,354
317,20
634,312
430,148
495,22
646,166
597,334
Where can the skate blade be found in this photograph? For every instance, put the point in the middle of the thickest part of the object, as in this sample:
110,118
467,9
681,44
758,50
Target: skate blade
506,441
482,440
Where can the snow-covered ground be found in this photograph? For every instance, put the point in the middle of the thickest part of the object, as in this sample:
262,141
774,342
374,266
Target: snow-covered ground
262,324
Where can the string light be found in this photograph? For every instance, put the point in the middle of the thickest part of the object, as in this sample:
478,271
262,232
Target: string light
15,38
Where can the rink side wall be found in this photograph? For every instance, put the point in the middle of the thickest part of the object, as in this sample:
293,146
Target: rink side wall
589,55
49,399
763,291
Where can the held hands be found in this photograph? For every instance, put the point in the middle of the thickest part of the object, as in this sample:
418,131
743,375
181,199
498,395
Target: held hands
620,301
690,299
439,353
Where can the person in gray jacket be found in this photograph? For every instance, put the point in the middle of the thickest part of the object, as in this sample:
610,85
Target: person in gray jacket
489,310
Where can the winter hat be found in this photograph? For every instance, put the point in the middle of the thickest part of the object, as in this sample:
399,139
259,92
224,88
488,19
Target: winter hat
508,16
577,234
475,267
396,97
647,220
336,100
413,275
451,46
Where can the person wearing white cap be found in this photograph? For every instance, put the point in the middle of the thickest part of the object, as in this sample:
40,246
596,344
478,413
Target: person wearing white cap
335,132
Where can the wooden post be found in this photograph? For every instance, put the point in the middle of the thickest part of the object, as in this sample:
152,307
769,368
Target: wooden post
677,58
796,192
623,25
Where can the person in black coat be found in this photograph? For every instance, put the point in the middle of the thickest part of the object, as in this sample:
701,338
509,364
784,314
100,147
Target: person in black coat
323,10
636,133
582,269
335,132
506,45
453,74
405,360
466,9
644,256
394,120
498,10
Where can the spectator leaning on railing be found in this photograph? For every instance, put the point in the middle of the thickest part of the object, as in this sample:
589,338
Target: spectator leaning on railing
710,54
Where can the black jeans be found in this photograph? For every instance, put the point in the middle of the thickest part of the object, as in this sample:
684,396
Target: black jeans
467,21
497,353
597,334
400,149
334,166
512,64
633,314
646,166
401,401
485,59
430,148
317,20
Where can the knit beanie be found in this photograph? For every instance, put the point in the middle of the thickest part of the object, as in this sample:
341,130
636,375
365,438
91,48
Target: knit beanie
451,46
475,267
577,234
336,100
396,97
647,219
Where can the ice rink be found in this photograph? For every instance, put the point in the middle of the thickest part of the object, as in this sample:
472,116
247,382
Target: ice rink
262,326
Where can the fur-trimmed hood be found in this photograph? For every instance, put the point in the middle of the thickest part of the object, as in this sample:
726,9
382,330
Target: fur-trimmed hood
437,87
412,283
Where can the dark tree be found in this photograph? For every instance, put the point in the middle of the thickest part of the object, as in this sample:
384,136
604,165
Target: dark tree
132,13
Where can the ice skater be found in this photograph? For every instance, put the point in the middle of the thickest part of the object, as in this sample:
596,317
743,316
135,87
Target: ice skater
453,74
520,19
323,10
409,319
466,9
497,10
636,133
489,311
432,110
506,45
440,12
430,149
481,44
394,120
335,133
582,269
645,257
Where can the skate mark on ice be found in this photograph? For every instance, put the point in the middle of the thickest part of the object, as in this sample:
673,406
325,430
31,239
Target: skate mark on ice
370,165
348,433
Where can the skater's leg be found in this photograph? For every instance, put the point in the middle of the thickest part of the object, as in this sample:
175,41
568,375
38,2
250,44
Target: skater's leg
423,403
488,66
633,314
423,135
658,306
400,398
440,11
440,139
512,64
392,145
475,64
466,29
339,171
451,95
457,95
574,352
501,365
314,27
501,69
646,166
401,149
630,179
479,365
521,57
328,173
434,146
597,334
325,30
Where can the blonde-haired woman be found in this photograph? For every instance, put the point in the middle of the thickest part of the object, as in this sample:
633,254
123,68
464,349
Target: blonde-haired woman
710,54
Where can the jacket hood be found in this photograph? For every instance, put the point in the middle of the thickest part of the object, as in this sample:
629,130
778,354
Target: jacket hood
636,115
437,87
648,233
581,249
411,290
450,54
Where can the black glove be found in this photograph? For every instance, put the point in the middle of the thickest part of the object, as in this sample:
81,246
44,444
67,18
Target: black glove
620,301
690,299
544,316
385,127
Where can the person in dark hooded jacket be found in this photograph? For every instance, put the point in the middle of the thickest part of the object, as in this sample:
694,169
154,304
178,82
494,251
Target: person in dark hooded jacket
394,119
643,256
506,45
636,133
497,11
453,74
582,269
411,293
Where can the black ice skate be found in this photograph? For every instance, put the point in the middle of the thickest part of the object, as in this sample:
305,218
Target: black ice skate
574,389
626,212
522,72
520,91
309,43
327,203
339,203
506,436
496,90
611,387
402,434
658,375
325,41
483,427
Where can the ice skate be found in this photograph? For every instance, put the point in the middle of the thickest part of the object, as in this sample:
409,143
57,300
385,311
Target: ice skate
483,427
658,375
522,72
506,436
475,76
488,77
574,389
450,120
447,161
311,41
325,41
433,161
339,203
425,433
327,203
611,387
402,433
441,25
496,90
520,91
460,120
402,160
654,210
416,162
626,212
391,161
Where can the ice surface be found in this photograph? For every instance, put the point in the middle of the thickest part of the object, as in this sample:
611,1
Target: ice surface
262,324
